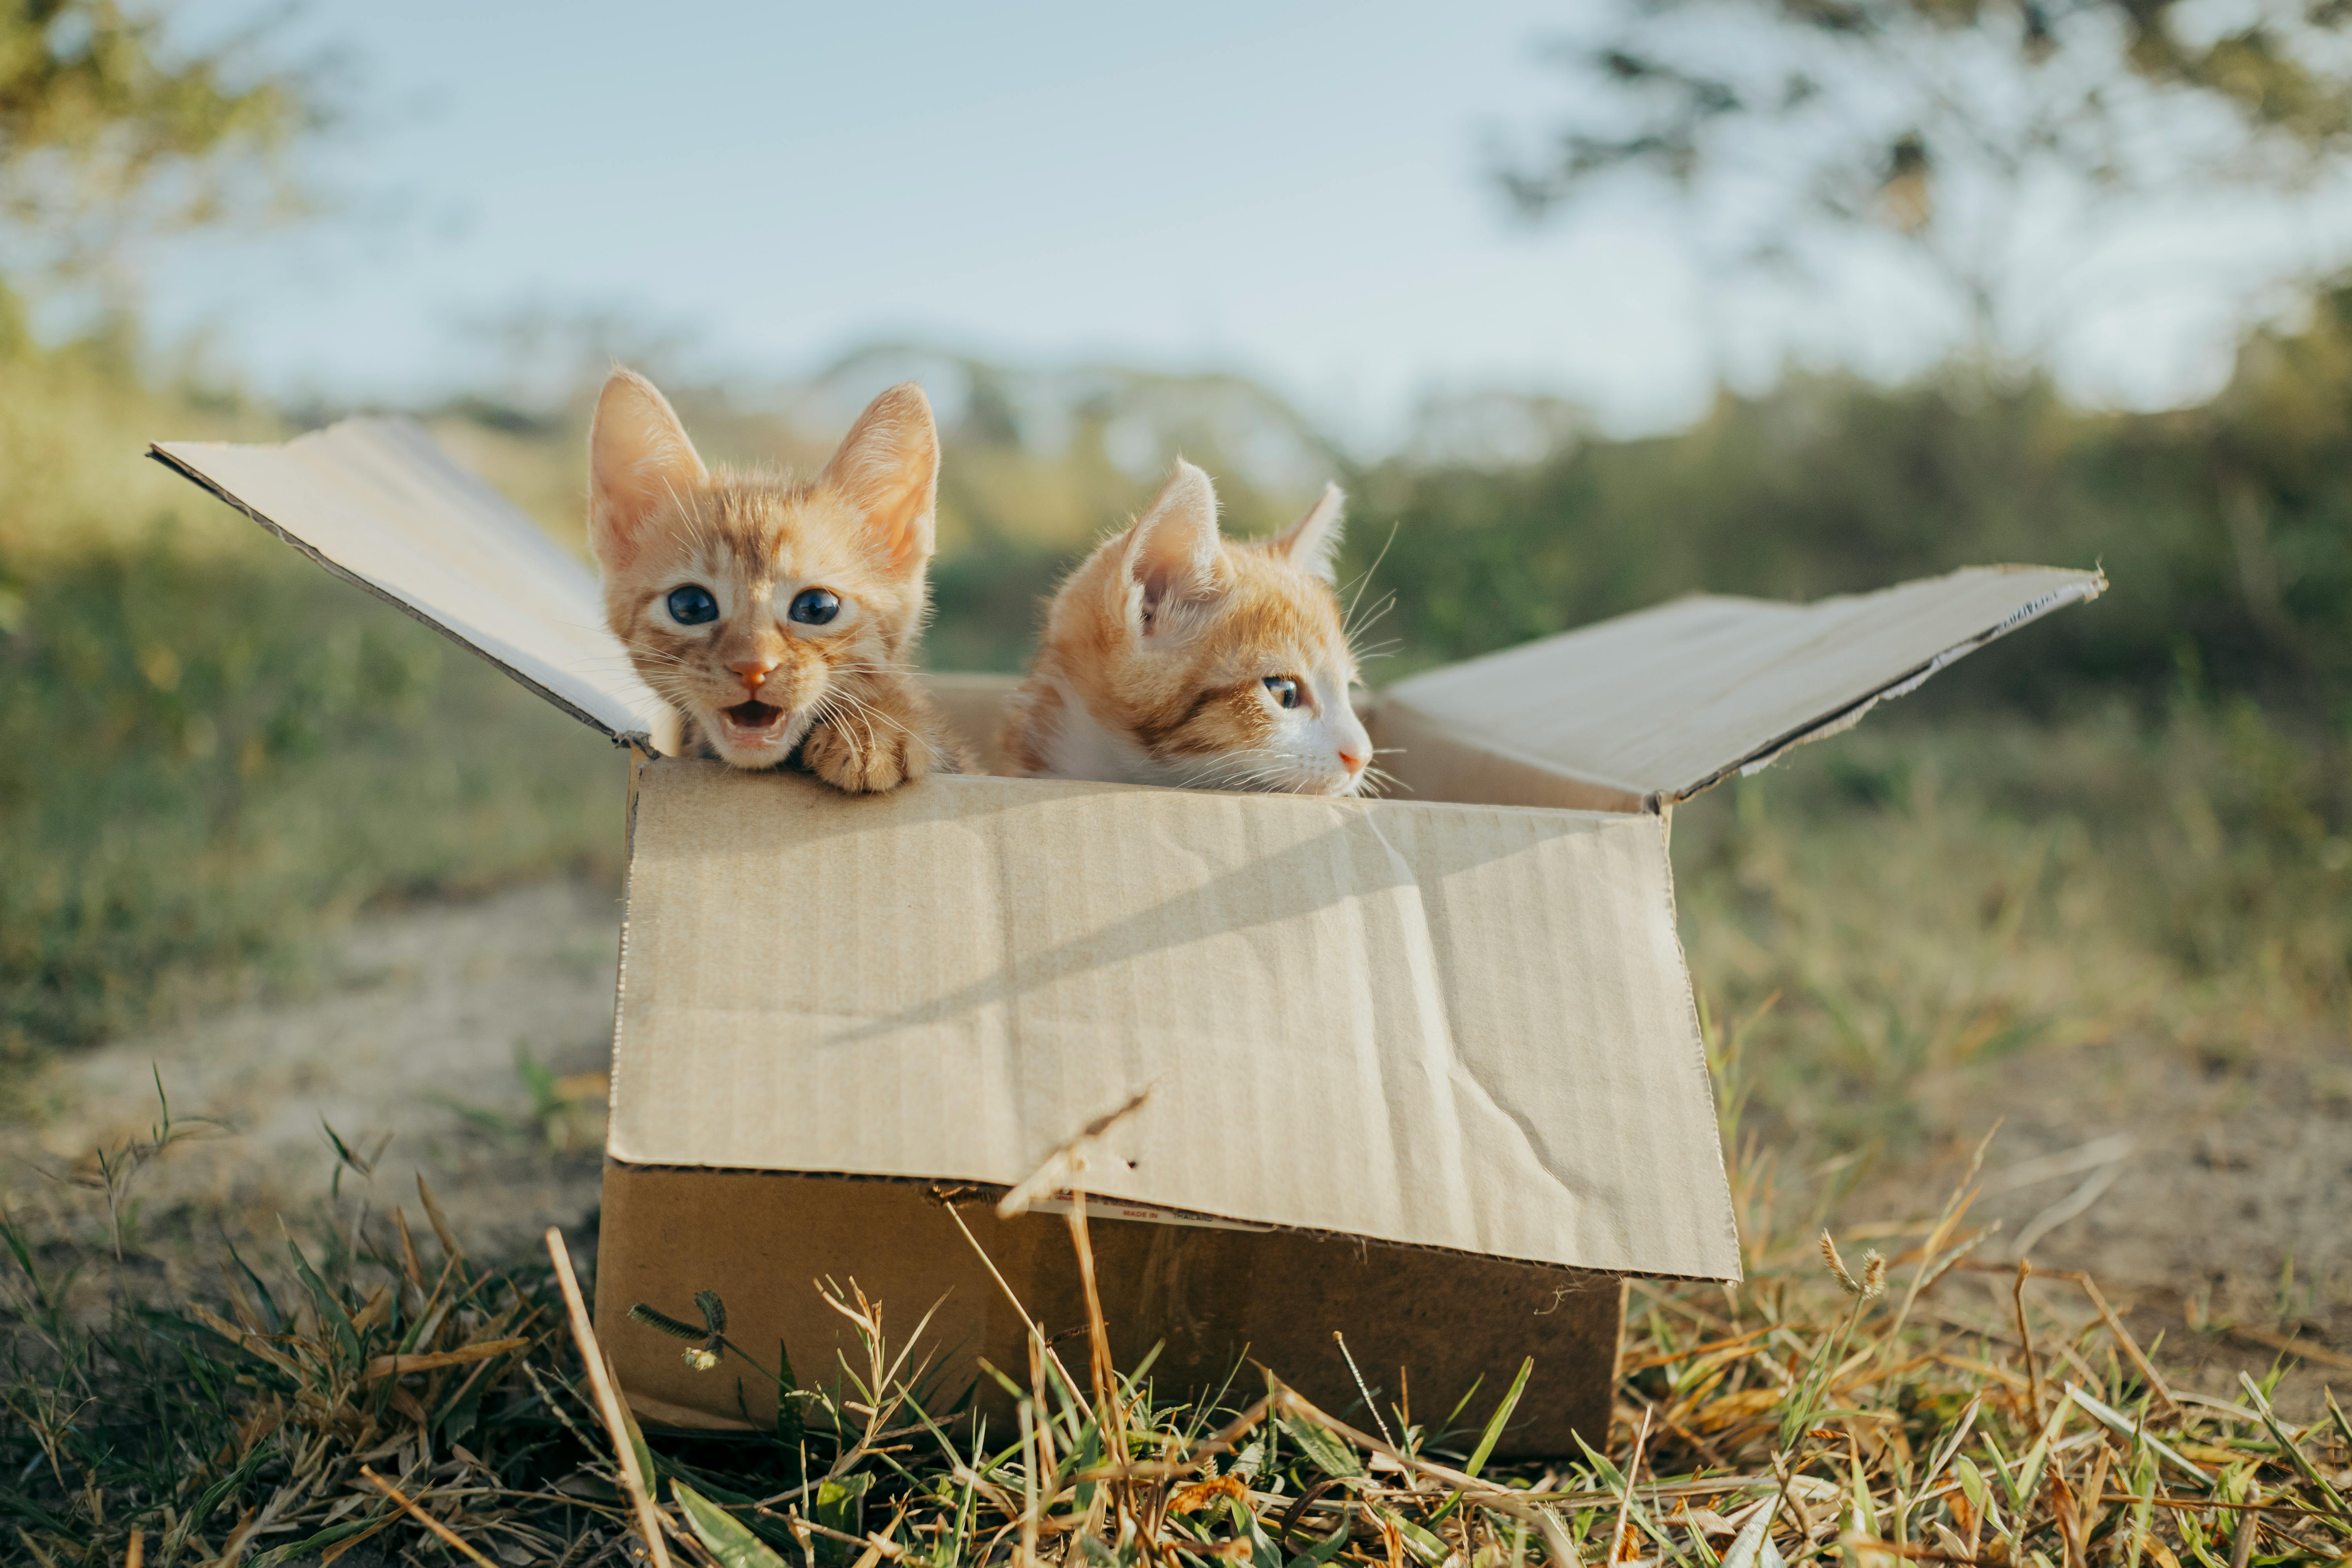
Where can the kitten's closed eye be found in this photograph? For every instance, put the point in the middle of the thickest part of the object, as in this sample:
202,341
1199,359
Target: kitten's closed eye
691,605
815,606
1284,690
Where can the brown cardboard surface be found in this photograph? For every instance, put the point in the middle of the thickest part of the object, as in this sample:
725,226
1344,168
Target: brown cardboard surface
378,503
1204,1296
1446,1025
1429,762
1662,704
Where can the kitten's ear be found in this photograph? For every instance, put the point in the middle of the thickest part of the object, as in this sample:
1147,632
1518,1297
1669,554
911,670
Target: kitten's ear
888,466
1171,552
638,456
1312,544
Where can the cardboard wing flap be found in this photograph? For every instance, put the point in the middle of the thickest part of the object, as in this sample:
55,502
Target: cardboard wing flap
1456,1027
378,502
1654,706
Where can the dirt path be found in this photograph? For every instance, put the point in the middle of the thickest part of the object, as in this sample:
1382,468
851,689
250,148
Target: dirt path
2212,1199
2149,1167
425,1050
2183,1185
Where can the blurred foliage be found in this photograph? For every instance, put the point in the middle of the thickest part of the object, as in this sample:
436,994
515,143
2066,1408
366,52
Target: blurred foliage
106,124
1999,138
211,751
2226,529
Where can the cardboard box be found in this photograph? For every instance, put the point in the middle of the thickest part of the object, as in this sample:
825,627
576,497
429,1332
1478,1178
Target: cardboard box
1425,1070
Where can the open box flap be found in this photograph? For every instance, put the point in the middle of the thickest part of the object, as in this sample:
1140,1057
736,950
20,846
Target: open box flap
1450,1025
1660,704
379,502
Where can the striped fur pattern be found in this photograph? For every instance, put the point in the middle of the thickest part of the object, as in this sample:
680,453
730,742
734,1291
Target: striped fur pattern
778,618
1175,655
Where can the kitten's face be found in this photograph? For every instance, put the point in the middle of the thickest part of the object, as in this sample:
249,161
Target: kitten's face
746,601
1209,663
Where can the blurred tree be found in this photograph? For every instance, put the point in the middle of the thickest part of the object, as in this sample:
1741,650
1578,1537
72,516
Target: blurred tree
2227,527
108,130
1997,141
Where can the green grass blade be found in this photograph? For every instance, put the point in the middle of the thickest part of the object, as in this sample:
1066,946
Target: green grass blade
722,1533
1501,1417
1323,1450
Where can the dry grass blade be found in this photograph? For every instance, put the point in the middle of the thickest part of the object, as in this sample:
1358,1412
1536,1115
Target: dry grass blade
634,1481
403,1365
1061,1167
1621,1544
2025,1339
409,1507
1471,1488
2130,1346
2288,1344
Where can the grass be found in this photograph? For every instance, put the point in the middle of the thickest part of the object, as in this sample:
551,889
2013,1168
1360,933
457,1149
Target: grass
1914,903
211,752
206,760
375,1389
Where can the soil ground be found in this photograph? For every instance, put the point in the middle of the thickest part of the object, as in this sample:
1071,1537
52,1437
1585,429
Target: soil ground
2211,1201
464,1041
422,1052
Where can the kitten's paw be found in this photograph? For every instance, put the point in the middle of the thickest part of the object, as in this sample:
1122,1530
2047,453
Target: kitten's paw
864,760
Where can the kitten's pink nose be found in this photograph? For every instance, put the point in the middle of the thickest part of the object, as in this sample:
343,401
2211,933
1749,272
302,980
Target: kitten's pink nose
753,673
1353,760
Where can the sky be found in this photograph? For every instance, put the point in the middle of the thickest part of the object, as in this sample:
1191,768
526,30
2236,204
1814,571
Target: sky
1299,192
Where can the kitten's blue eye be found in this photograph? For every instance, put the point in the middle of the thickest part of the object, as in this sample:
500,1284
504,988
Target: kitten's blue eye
1285,690
692,606
815,606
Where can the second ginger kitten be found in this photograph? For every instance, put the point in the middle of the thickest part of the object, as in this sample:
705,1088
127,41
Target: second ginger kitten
1175,656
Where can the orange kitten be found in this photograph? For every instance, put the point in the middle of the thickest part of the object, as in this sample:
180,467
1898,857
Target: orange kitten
1175,655
776,618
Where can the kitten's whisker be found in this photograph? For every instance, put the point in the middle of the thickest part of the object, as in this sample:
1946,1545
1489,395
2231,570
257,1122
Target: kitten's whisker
1354,628
1250,771
1365,581
864,707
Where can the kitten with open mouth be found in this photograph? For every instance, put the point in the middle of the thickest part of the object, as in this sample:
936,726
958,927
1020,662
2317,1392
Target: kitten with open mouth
777,617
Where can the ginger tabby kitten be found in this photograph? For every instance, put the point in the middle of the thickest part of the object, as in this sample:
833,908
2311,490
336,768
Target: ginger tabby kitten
1175,656
778,619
